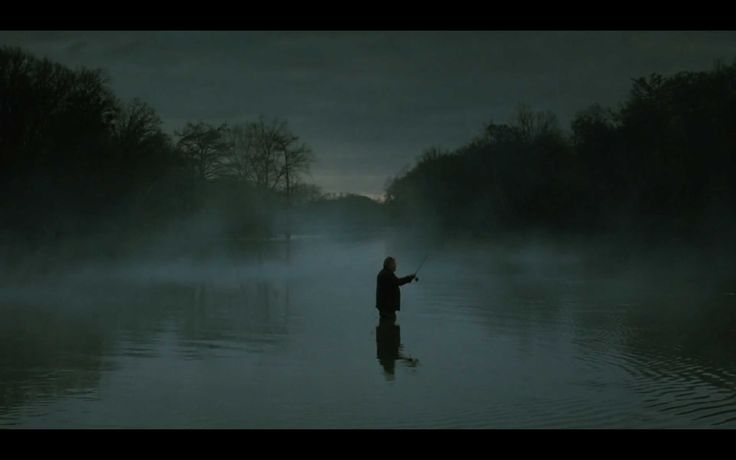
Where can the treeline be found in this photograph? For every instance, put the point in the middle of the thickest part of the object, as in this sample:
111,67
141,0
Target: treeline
663,163
75,161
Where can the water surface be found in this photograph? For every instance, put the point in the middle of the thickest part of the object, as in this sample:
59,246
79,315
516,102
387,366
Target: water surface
286,336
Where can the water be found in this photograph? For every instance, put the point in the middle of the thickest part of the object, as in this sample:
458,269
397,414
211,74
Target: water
287,337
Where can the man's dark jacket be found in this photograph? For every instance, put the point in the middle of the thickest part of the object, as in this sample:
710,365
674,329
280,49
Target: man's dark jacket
388,295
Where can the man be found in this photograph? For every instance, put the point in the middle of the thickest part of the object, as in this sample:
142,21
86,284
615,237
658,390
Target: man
388,296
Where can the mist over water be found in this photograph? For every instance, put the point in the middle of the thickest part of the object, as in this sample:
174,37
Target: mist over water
181,265
285,334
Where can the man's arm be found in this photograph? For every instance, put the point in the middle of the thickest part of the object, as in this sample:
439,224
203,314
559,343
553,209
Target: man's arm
405,279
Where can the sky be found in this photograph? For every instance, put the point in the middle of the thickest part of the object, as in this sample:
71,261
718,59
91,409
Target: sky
369,103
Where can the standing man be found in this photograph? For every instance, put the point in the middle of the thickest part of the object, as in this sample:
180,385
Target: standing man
388,296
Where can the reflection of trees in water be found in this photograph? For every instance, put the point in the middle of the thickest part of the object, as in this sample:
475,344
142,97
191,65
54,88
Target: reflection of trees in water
663,334
679,315
675,343
57,345
251,308
254,311
46,354
669,336
635,317
657,307
698,323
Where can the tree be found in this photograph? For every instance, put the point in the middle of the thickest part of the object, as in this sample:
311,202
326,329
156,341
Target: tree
146,153
55,134
269,155
238,161
296,157
534,125
204,146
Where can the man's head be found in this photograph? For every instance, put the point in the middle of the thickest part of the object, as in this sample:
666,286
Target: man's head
390,264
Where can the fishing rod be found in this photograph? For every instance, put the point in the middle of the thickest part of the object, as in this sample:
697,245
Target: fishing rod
420,267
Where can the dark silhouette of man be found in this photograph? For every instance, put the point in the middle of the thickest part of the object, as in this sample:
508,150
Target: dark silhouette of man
388,295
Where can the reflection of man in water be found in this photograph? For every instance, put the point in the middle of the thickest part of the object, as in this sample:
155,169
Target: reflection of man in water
388,346
388,295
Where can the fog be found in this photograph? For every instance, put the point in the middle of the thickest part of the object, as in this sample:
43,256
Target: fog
565,276
282,333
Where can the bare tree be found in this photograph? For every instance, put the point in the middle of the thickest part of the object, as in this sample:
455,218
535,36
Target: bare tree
238,161
296,158
263,156
138,125
205,146
267,154
533,125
